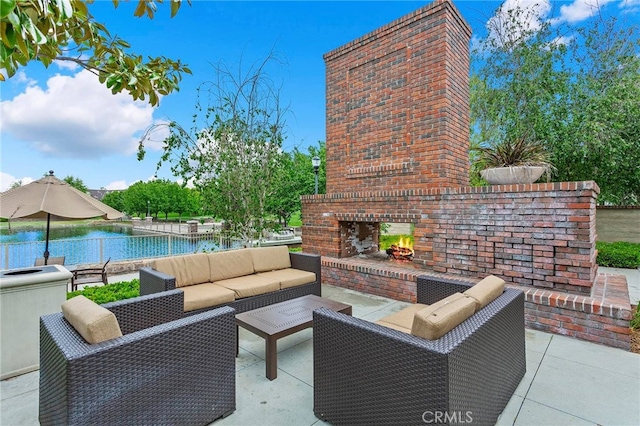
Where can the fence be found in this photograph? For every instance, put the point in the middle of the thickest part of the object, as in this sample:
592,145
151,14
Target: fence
79,251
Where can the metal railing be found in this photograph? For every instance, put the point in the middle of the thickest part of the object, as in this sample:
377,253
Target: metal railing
78,251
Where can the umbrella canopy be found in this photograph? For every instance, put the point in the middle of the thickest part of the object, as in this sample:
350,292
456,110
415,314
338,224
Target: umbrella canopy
51,196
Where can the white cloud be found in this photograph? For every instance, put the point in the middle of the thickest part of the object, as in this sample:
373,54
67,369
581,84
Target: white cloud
67,65
21,78
503,30
580,10
118,184
6,180
76,117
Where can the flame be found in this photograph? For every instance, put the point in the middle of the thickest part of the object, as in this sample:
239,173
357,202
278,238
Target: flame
406,243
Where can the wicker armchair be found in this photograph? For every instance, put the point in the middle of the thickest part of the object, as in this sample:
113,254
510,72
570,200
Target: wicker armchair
365,373
165,369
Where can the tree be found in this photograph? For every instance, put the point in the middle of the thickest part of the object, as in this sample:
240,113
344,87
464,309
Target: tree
233,158
580,98
295,178
115,199
77,183
601,139
16,184
44,31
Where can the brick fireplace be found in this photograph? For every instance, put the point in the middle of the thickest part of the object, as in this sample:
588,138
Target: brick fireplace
398,151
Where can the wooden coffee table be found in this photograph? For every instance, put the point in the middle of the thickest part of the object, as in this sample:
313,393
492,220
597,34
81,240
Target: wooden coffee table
282,319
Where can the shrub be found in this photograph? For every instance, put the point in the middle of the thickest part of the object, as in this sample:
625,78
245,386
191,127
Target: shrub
618,254
635,321
110,292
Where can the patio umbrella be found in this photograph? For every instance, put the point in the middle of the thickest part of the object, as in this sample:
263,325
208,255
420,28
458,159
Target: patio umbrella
51,196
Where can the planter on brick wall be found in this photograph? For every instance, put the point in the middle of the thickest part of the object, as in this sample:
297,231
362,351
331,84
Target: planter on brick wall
512,174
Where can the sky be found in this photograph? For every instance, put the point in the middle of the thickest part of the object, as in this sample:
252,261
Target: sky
62,119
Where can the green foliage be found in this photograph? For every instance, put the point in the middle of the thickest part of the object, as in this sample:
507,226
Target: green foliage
635,321
295,177
234,157
579,98
77,183
115,199
618,255
44,31
521,151
110,292
386,240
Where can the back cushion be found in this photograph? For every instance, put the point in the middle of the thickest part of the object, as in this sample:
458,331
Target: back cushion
172,265
224,265
486,291
196,269
438,319
270,258
93,322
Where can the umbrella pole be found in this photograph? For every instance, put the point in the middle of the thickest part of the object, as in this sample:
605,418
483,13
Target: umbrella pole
46,244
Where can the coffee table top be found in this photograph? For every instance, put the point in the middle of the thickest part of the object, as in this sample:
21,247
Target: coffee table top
290,314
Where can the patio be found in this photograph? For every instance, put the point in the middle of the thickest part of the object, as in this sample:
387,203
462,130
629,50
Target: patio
568,381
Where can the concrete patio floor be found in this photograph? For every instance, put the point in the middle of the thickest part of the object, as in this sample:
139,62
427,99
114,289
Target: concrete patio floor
568,381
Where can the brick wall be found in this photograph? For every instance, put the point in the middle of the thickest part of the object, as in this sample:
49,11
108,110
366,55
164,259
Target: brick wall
398,104
538,235
601,318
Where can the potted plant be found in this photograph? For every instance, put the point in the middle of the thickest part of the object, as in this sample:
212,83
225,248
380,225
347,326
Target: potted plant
513,160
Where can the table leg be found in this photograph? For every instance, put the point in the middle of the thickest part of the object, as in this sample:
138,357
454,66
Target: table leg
271,352
237,341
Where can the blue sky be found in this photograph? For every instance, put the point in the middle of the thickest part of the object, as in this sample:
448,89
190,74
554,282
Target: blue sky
61,119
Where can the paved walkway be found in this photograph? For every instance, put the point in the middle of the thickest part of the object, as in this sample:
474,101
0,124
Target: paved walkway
568,381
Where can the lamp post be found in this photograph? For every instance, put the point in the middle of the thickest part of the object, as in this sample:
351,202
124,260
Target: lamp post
148,208
315,161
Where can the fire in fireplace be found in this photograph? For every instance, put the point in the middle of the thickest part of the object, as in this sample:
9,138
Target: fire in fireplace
402,250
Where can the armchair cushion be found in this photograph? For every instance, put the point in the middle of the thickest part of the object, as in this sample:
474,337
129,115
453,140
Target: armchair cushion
93,322
438,319
270,258
403,319
486,291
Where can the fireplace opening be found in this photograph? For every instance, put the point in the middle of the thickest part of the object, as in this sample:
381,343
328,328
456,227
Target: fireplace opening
396,241
388,242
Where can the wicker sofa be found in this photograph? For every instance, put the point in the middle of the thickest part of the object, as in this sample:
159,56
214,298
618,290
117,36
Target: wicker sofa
243,279
367,373
164,369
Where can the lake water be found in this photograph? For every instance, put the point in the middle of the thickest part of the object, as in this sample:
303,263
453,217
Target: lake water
85,244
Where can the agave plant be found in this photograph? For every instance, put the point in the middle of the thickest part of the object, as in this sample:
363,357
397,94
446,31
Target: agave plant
512,152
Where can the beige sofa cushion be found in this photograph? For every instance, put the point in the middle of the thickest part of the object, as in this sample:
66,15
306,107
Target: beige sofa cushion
403,318
172,265
206,295
196,269
486,291
270,258
250,285
289,277
93,322
224,265
438,319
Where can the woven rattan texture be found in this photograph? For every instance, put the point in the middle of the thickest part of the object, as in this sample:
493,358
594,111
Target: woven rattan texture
175,373
368,374
152,281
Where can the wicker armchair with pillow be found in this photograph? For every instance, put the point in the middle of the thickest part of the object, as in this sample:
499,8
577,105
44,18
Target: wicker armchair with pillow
136,361
456,356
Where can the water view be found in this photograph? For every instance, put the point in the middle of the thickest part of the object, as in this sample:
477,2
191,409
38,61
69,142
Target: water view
85,244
